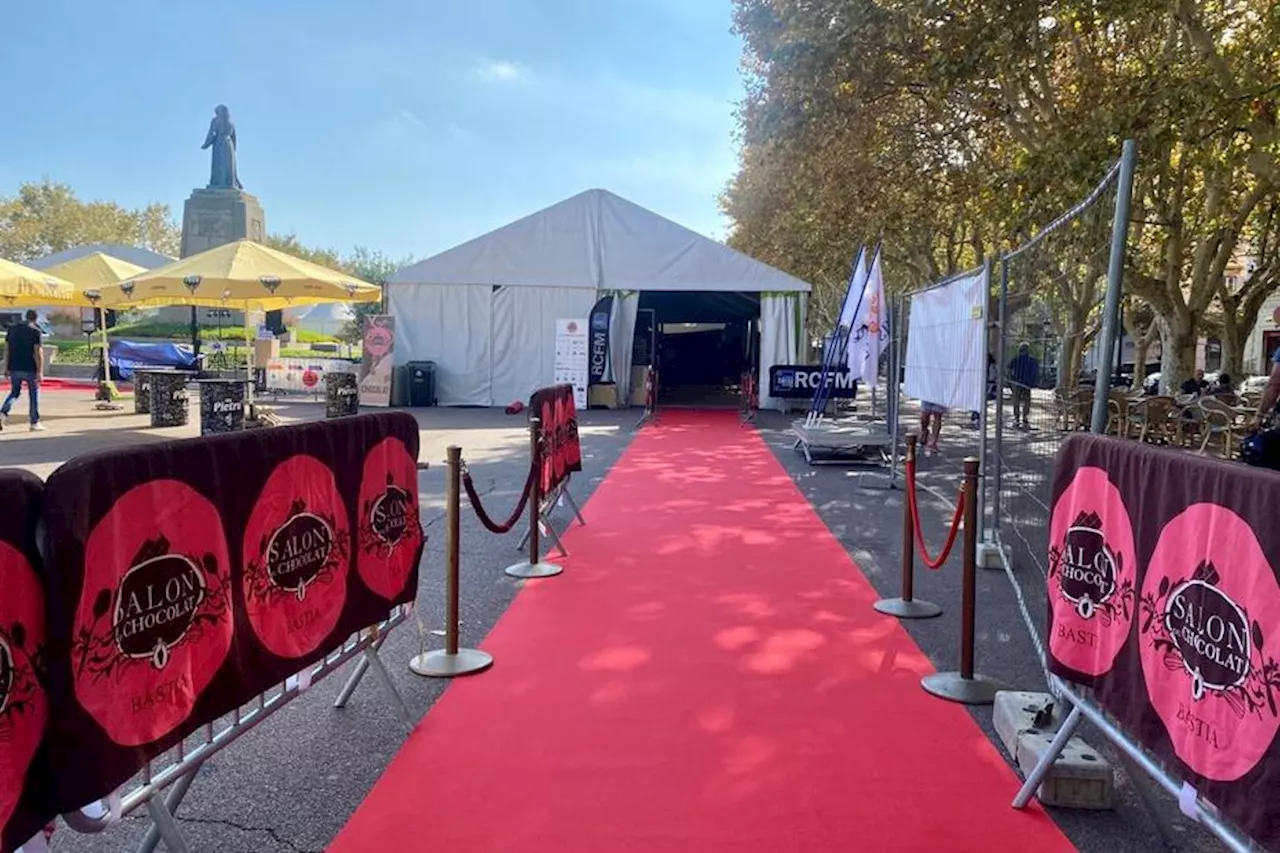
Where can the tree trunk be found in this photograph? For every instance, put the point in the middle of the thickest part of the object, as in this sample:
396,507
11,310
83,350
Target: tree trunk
1177,350
1234,335
1141,345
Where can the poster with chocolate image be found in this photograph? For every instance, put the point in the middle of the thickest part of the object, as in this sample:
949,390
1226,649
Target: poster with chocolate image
24,703
390,539
1194,676
188,576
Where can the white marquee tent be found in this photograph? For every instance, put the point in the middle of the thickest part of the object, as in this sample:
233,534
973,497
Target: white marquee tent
485,311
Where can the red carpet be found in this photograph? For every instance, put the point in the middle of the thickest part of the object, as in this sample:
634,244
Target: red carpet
707,675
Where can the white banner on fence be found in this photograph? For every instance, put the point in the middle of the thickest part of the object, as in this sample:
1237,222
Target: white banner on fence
946,344
305,375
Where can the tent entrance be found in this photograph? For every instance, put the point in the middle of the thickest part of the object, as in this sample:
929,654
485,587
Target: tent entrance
704,342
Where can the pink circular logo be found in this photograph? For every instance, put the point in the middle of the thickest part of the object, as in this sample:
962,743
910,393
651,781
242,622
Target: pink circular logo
1207,593
1092,562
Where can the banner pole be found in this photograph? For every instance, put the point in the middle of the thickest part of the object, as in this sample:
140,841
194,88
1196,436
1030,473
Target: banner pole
965,686
534,567
908,606
452,660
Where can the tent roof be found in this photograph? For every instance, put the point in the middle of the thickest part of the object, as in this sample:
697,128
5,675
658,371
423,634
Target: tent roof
599,240
144,258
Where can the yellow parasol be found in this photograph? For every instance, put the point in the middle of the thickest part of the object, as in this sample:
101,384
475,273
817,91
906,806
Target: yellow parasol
91,273
242,274
22,287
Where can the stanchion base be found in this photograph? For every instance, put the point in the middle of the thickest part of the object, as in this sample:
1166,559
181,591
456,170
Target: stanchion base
441,664
951,686
528,570
914,609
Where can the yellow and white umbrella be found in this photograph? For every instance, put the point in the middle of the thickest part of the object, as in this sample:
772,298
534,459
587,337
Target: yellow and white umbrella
90,273
23,287
244,275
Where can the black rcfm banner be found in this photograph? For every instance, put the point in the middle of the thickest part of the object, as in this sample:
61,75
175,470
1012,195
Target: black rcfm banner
561,452
1164,599
24,701
186,577
800,381
599,366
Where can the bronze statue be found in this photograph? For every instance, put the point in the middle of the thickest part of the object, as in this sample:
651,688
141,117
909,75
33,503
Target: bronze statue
222,138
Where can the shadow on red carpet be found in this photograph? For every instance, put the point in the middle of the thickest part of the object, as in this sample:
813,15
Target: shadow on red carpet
707,675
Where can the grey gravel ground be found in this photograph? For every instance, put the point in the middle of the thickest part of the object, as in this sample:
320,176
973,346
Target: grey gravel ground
291,784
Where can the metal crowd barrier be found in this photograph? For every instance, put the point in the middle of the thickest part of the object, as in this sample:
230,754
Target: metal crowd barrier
151,782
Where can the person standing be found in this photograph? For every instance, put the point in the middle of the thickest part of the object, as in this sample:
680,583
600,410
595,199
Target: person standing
931,415
24,363
1024,374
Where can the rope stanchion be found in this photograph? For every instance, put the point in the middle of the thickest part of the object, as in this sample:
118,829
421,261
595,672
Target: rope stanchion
965,686
750,398
650,396
534,567
933,563
474,497
452,660
907,606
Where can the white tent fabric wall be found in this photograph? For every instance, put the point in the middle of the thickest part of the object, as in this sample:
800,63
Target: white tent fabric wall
452,326
592,243
946,344
781,331
524,336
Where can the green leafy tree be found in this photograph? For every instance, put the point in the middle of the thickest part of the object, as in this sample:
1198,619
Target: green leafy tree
374,267
47,217
952,130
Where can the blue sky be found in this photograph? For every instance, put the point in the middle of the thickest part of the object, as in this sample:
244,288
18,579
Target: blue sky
399,125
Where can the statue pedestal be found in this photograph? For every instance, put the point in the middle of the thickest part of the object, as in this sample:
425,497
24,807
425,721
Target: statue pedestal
211,218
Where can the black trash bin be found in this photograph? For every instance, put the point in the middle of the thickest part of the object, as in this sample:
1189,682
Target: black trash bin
422,383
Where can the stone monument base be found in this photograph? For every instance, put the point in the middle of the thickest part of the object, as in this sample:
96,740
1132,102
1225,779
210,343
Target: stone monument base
211,218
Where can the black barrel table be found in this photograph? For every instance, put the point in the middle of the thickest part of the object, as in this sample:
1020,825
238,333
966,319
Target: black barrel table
169,403
142,391
341,395
221,405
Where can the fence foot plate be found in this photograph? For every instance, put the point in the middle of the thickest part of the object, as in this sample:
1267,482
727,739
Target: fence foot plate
441,664
953,687
916,608
533,570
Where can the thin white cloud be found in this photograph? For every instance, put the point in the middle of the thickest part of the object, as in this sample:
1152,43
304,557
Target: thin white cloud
407,119
501,71
459,132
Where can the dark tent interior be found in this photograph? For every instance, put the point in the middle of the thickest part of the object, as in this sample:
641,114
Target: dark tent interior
704,341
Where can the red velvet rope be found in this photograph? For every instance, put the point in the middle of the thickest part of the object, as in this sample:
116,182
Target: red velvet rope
493,526
931,562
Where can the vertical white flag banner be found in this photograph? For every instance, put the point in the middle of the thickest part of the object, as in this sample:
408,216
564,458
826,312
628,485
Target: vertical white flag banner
869,333
853,296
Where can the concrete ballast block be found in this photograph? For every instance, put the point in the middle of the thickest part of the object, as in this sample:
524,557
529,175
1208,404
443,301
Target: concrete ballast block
1079,779
1016,712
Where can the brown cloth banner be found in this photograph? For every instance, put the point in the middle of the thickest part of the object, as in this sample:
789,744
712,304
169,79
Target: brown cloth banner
24,703
186,577
1164,599
561,452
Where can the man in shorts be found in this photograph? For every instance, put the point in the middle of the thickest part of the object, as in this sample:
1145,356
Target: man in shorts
23,364
931,415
